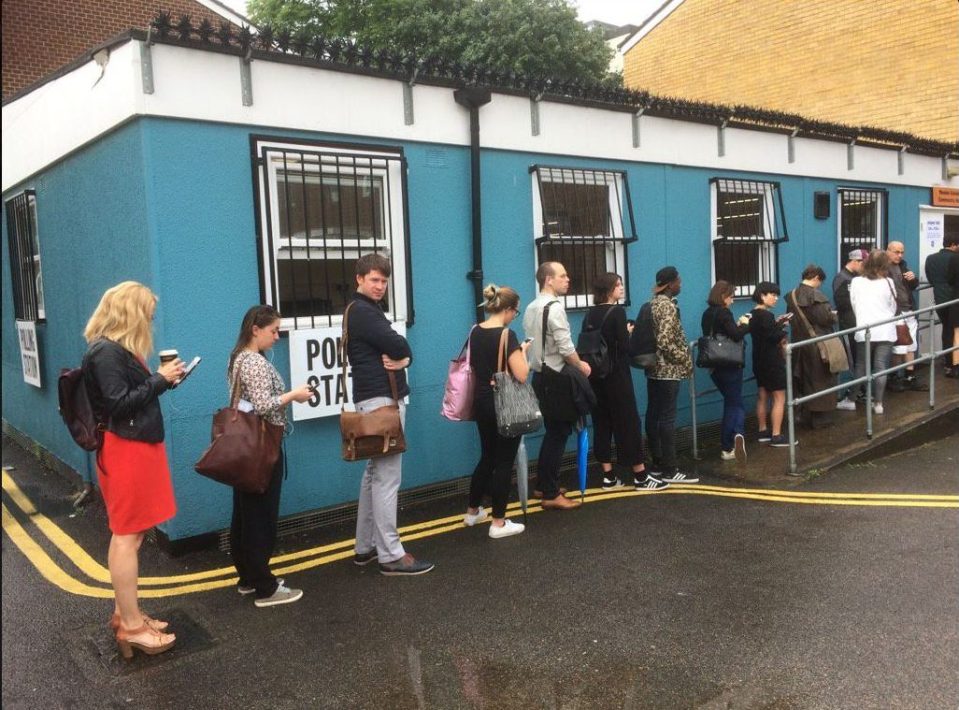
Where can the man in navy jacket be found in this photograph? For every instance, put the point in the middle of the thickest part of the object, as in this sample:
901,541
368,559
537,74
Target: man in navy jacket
375,350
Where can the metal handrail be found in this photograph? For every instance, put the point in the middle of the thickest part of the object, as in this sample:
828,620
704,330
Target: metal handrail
930,357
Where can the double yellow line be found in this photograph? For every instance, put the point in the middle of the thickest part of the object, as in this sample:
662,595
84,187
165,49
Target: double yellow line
290,563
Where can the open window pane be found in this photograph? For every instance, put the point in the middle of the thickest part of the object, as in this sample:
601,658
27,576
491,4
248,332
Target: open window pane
861,217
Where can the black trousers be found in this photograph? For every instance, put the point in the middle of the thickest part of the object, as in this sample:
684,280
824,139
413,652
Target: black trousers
253,534
551,456
493,471
946,329
661,423
617,418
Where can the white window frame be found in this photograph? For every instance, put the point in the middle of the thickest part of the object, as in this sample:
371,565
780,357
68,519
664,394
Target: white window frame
34,241
615,252
767,246
841,251
387,165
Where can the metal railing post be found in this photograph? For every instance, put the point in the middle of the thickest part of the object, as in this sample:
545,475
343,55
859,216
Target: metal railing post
791,421
932,360
692,402
868,383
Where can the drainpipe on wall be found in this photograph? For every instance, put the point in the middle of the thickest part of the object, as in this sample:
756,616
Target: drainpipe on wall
472,99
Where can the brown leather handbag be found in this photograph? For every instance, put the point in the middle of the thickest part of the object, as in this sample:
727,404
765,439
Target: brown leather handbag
903,336
244,447
373,434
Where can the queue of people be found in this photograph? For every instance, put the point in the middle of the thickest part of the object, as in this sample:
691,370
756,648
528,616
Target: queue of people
135,479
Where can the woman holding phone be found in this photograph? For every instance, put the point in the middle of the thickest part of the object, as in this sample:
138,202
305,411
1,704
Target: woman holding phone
769,363
253,527
493,471
132,467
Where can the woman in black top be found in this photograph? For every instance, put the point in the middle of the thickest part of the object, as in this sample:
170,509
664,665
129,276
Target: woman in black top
718,320
769,363
492,473
615,415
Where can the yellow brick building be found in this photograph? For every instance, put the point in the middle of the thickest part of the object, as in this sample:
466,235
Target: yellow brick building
891,64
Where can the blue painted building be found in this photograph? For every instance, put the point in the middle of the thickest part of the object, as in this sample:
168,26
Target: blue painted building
223,181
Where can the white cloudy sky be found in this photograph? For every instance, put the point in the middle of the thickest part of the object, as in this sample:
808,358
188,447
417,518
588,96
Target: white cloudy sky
617,12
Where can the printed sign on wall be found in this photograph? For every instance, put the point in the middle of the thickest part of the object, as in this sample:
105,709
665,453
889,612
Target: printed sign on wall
29,351
315,360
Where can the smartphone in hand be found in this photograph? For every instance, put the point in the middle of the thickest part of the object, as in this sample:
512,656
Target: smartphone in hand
187,371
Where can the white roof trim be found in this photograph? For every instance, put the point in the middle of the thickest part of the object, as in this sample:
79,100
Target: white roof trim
664,11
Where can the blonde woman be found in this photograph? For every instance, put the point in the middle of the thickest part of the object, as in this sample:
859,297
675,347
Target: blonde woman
132,467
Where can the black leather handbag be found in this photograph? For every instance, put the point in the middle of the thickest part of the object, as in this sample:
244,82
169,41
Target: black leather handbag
720,350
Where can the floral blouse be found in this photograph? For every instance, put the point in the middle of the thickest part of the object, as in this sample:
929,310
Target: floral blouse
260,385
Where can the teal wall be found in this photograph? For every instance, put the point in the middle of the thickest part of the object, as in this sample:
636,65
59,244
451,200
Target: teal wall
171,203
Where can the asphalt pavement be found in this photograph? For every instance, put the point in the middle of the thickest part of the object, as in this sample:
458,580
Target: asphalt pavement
841,592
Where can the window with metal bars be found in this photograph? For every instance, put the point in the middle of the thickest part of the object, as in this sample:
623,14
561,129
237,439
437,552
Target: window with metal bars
321,207
862,221
747,227
24,245
584,219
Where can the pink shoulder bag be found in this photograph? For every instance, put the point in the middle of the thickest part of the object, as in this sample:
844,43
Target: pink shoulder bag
460,384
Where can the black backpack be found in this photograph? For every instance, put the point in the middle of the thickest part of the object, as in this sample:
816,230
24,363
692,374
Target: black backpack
76,410
642,341
593,349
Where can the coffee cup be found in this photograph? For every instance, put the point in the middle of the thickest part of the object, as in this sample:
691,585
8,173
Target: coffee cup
168,356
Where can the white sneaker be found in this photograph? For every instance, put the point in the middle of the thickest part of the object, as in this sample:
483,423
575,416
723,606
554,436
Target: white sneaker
739,449
728,455
506,529
877,408
471,519
846,405
282,595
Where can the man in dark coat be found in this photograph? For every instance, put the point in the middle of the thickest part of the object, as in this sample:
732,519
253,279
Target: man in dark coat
847,318
906,283
937,273
814,317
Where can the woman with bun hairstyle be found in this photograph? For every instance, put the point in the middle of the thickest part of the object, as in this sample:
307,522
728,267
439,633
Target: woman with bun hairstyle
492,472
253,527
132,468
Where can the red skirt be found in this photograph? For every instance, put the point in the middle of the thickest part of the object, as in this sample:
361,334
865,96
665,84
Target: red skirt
135,480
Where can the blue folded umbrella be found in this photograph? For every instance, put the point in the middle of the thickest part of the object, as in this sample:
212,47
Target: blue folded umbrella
522,475
582,451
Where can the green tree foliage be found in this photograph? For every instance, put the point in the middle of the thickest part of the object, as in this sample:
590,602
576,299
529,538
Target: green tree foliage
531,37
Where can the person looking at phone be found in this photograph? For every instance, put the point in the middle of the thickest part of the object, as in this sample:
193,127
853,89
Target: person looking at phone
718,320
769,363
253,526
132,467
497,452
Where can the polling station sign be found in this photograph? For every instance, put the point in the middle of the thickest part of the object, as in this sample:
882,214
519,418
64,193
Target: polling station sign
29,352
315,360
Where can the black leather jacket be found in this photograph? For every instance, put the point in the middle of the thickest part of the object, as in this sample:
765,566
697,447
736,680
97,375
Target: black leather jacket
123,394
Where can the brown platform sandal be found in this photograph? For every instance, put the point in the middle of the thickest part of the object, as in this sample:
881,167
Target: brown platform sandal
154,645
154,624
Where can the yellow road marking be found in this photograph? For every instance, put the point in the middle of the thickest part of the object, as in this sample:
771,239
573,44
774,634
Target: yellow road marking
326,554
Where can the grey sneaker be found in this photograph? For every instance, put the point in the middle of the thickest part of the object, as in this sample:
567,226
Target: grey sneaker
244,589
282,595
406,566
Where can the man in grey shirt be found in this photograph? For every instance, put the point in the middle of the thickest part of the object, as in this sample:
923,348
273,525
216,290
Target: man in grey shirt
546,364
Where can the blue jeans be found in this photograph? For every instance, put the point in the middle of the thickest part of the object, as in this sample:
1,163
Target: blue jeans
729,382
881,356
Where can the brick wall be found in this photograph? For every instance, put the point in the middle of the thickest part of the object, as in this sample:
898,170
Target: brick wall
893,64
40,36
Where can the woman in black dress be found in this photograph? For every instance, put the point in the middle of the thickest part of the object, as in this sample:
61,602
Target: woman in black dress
615,415
769,363
492,473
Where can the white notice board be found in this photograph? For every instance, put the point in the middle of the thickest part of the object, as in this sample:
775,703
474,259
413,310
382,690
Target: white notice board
29,351
315,360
